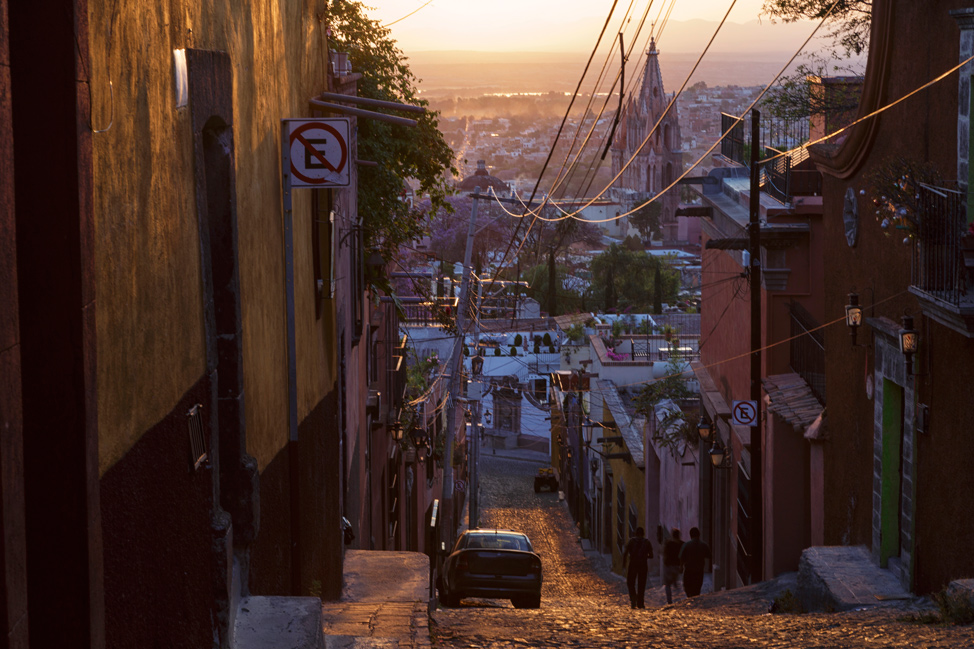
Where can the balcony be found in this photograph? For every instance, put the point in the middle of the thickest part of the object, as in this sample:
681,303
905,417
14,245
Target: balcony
942,279
783,175
428,311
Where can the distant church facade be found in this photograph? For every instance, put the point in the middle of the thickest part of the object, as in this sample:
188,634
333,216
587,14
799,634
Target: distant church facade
658,163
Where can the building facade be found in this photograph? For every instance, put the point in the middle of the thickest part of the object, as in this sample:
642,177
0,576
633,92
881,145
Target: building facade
894,459
185,362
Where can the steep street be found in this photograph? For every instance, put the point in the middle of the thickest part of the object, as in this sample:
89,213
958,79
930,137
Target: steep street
585,605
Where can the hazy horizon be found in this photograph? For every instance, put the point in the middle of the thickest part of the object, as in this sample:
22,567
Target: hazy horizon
569,25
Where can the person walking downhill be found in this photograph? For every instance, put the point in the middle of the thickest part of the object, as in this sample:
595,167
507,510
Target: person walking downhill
671,563
694,556
638,552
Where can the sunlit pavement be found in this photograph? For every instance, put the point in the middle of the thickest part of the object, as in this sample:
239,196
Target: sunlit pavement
584,605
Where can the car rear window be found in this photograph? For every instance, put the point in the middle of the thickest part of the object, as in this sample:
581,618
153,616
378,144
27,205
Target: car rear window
498,542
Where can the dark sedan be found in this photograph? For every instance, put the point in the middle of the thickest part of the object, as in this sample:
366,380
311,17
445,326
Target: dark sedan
498,564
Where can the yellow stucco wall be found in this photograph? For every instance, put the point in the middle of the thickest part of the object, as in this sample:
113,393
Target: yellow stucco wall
634,480
149,303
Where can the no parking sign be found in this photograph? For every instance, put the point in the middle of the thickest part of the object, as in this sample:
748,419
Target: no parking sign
316,152
745,413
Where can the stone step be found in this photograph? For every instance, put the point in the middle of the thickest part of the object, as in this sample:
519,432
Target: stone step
842,578
279,623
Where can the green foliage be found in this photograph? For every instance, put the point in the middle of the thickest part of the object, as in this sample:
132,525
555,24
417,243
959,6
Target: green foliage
513,350
647,220
417,374
546,339
567,300
576,333
675,426
850,20
315,589
633,242
787,603
617,328
497,351
627,279
518,340
401,152
849,23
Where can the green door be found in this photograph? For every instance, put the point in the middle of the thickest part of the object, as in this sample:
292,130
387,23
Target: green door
892,472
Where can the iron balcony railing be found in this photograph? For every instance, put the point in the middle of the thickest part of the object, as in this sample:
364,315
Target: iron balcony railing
938,258
807,350
418,311
779,140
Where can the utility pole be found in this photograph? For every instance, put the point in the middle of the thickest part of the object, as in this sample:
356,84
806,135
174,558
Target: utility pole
757,467
456,366
473,444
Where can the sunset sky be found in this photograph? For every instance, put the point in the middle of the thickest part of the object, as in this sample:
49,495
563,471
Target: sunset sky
534,25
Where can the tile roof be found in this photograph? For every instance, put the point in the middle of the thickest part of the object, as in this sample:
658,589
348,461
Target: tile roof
790,398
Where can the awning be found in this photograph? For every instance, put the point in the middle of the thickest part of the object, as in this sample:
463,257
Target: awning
790,398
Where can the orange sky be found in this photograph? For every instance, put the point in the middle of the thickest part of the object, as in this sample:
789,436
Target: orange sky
546,25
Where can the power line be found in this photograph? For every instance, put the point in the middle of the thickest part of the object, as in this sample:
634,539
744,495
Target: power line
411,13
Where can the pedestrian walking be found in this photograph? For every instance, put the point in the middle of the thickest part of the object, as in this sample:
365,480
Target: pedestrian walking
694,556
638,552
671,563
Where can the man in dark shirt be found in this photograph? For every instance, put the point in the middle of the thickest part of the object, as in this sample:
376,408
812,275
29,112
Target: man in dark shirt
694,556
638,552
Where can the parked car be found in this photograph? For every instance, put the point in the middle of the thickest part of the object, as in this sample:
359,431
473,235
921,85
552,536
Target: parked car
492,563
545,479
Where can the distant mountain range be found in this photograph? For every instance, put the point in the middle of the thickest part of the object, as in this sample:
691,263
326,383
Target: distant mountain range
743,54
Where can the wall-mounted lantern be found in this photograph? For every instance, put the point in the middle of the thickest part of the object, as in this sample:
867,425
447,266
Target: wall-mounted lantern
853,316
909,341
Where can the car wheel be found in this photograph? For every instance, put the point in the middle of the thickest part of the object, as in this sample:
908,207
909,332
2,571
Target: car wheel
448,599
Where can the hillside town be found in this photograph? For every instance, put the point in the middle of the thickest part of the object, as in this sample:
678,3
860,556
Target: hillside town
291,360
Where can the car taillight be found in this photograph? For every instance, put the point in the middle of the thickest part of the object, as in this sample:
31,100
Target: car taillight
463,564
535,565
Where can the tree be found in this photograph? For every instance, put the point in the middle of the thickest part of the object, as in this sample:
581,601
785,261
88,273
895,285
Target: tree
401,152
647,220
624,278
675,426
794,97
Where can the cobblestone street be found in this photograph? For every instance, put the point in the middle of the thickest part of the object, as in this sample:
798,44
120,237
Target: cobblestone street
585,605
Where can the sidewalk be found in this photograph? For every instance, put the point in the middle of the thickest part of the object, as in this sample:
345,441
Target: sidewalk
384,603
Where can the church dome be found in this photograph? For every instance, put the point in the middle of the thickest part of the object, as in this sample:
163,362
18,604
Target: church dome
482,179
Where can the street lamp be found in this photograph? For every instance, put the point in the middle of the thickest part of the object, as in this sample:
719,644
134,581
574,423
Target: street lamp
418,436
853,315
909,341
719,456
704,428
